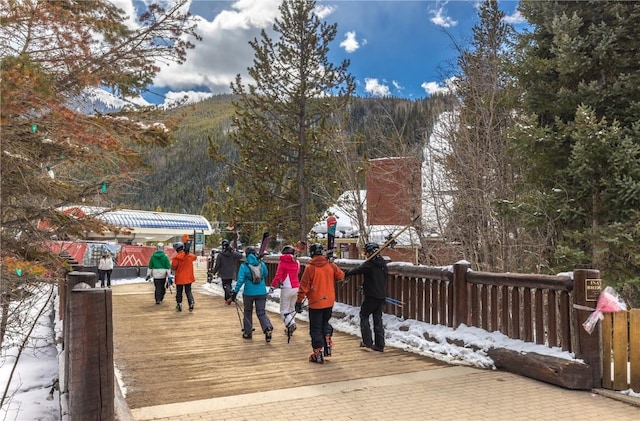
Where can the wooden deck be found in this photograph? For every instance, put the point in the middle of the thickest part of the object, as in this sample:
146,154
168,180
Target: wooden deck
165,356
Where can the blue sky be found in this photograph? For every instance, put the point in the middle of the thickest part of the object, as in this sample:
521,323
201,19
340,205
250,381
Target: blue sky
398,48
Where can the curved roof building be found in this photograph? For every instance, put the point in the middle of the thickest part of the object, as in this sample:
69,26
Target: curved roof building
136,226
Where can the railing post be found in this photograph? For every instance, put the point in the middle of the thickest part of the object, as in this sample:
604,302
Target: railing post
460,308
89,373
586,290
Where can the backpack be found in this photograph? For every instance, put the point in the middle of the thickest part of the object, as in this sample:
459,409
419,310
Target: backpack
256,273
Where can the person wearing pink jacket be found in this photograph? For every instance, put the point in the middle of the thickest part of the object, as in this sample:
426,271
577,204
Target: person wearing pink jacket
286,278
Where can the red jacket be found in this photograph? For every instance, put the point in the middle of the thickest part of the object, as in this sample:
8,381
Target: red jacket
290,267
318,282
182,266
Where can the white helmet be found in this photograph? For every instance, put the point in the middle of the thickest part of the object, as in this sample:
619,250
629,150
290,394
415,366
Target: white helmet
160,246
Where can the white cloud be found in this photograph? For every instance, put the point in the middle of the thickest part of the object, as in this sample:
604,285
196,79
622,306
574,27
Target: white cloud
322,11
224,50
436,88
440,18
350,43
397,85
515,18
375,88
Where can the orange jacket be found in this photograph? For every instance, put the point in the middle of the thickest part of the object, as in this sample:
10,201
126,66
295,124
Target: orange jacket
182,266
318,282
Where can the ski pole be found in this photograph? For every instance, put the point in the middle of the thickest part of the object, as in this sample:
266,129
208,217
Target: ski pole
238,313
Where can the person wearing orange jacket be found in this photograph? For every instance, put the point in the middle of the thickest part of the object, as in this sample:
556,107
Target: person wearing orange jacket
318,286
182,266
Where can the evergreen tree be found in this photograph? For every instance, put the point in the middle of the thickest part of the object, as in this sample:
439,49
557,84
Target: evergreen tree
283,127
580,71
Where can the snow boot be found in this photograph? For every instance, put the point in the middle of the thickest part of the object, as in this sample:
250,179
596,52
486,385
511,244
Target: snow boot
179,307
290,329
328,344
316,357
267,334
191,306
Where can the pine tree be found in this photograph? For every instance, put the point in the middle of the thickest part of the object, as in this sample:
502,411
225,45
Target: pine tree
283,127
580,72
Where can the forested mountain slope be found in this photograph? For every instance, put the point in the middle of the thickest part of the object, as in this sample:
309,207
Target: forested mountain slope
178,174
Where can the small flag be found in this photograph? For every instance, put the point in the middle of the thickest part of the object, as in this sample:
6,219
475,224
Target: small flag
103,188
34,127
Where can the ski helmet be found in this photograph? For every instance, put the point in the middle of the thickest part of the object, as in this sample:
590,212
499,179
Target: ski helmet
179,246
287,250
370,248
250,250
224,244
316,249
160,246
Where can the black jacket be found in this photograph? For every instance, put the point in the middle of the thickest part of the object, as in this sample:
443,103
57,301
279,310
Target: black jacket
225,266
375,277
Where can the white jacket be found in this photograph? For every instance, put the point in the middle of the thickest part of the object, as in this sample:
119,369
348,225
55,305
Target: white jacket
106,263
159,273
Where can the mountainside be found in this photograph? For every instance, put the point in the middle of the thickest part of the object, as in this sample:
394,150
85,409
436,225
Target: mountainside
180,173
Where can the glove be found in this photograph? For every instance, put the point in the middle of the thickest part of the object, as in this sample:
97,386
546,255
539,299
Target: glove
148,278
270,290
299,307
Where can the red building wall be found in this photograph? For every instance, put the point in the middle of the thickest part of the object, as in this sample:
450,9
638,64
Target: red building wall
394,190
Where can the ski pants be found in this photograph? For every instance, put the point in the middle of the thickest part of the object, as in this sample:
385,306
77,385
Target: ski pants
160,289
102,274
260,302
187,291
226,286
288,297
372,306
319,326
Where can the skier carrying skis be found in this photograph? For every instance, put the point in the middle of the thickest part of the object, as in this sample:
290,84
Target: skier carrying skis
286,278
225,266
254,290
318,286
182,266
375,276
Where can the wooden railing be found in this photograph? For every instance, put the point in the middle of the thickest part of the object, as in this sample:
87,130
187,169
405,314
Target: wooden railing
621,350
531,307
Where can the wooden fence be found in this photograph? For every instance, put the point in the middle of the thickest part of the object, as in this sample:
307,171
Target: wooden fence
531,307
621,350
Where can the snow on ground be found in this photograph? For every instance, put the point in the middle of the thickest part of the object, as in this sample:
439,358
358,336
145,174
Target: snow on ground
28,393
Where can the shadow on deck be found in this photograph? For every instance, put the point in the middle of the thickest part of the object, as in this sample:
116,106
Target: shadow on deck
164,356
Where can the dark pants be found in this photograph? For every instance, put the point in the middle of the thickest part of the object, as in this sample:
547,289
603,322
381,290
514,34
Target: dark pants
226,286
260,302
160,289
372,306
102,274
319,326
187,291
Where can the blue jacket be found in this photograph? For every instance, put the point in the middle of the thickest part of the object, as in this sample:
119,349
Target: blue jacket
246,279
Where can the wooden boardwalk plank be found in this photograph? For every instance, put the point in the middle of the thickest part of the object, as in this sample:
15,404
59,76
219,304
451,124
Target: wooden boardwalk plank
165,356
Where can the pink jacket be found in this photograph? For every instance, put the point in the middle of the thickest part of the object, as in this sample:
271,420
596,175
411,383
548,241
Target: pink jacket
290,267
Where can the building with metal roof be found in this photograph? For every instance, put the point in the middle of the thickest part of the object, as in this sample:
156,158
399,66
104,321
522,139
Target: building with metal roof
136,226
